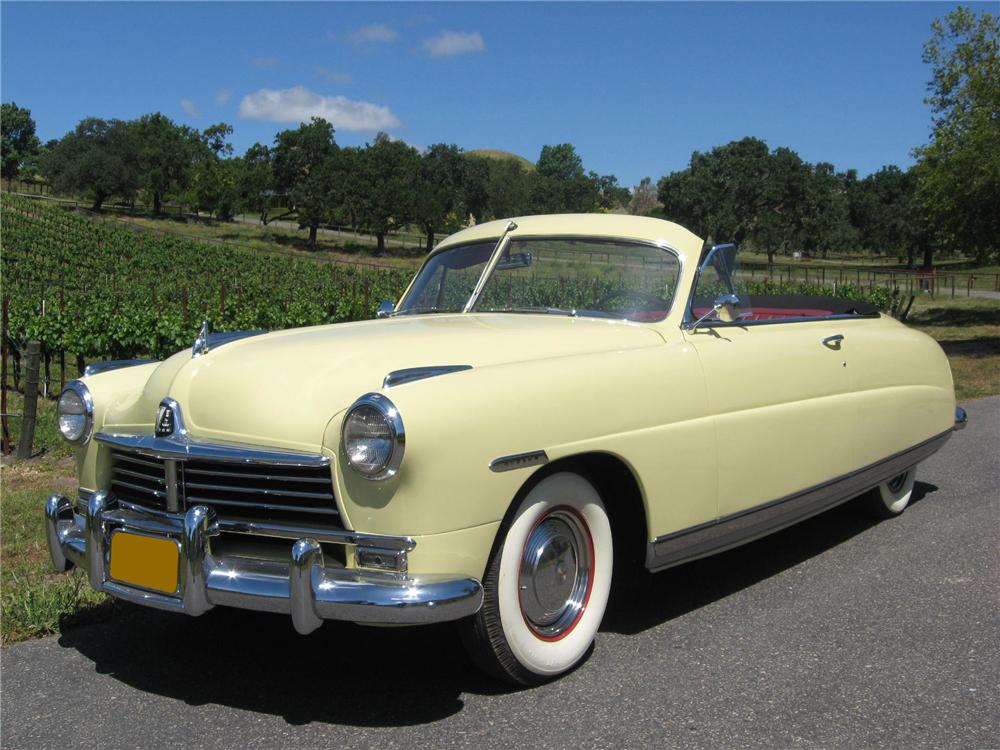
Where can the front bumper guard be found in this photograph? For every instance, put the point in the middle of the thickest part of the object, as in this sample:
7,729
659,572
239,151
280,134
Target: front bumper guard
305,587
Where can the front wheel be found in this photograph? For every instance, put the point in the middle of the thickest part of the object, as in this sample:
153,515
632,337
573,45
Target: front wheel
546,585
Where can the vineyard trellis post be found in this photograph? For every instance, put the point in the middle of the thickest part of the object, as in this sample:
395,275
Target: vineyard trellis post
5,441
30,410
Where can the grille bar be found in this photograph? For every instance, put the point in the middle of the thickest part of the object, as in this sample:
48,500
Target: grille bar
275,491
195,500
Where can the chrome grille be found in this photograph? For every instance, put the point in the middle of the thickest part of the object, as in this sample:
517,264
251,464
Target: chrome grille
139,479
233,489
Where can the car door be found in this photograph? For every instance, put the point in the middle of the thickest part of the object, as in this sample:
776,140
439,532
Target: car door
779,398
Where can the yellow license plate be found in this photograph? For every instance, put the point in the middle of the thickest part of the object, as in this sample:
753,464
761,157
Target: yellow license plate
147,561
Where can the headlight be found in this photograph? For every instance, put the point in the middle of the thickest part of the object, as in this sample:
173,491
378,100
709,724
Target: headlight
76,412
372,437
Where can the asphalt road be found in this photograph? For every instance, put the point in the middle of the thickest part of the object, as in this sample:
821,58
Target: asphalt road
837,633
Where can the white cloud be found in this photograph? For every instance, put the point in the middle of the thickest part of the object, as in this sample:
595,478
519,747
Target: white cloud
376,32
333,76
299,104
222,97
190,107
449,43
265,62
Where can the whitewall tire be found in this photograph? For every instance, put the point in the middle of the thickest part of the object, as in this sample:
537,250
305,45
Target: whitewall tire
891,497
547,583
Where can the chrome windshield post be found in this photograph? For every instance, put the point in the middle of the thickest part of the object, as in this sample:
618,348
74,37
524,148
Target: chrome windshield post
488,270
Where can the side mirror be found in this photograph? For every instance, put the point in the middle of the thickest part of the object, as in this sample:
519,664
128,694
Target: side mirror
724,306
387,308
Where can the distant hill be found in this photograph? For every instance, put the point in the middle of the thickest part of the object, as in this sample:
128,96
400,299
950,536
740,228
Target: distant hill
495,153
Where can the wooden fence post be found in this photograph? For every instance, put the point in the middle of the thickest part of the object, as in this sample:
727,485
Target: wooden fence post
30,402
5,441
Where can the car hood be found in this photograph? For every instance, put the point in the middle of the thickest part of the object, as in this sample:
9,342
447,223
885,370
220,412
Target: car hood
281,389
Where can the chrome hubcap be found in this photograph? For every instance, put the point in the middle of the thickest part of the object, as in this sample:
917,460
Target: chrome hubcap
896,483
555,573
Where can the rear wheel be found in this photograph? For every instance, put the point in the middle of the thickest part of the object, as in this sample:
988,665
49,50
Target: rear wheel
546,586
891,497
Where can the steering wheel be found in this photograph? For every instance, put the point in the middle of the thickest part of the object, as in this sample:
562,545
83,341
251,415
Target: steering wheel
646,302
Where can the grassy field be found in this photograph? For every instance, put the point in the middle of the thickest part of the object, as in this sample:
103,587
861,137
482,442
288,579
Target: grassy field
35,602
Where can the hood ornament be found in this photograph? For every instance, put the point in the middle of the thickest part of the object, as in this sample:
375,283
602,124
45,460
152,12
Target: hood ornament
201,342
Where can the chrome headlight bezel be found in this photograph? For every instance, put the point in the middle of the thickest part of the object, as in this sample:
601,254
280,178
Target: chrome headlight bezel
81,391
394,422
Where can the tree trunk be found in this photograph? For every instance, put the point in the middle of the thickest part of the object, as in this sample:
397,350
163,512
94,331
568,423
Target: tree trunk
911,257
928,254
770,255
98,201
157,203
312,234
380,236
430,239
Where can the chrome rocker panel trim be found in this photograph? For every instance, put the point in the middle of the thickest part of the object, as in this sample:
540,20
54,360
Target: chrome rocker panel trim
739,528
305,587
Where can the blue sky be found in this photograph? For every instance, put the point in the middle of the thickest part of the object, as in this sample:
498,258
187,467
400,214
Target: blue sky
635,87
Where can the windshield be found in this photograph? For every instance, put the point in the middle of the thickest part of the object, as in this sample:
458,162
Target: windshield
587,277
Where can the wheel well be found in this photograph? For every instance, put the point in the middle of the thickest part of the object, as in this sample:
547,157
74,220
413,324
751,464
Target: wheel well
622,498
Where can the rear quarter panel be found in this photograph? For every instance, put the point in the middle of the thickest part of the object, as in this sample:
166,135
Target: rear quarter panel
902,387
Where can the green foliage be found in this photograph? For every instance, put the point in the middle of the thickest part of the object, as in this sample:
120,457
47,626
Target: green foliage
165,152
306,164
958,172
383,182
439,202
20,144
98,158
109,291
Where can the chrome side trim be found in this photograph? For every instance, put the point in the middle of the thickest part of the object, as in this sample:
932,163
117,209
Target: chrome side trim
304,586
961,418
739,528
519,461
408,375
96,368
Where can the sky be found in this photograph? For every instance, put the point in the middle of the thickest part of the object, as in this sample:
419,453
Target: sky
635,87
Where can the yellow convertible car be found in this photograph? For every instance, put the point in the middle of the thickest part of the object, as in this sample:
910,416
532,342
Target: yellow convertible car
552,398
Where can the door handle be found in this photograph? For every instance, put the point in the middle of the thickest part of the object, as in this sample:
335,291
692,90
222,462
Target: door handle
832,341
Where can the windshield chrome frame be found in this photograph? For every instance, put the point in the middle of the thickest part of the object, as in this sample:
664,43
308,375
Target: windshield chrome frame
658,244
504,240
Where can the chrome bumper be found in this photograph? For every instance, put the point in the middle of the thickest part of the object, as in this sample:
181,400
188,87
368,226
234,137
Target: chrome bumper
305,587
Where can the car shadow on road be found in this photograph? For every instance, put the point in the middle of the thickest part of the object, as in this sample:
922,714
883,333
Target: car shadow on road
371,677
340,674
652,599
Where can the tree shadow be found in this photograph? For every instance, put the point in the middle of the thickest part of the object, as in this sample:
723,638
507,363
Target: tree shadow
653,599
982,346
958,316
